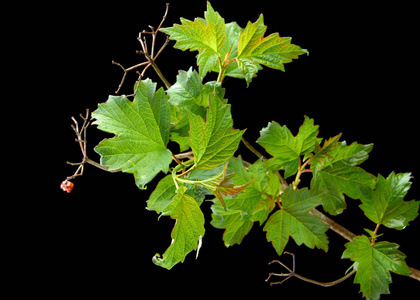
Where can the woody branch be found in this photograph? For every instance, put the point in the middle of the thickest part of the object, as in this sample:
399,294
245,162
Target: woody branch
149,55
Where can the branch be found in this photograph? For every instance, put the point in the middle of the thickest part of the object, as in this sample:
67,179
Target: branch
125,72
67,185
292,273
348,235
251,148
334,226
415,274
337,228
150,57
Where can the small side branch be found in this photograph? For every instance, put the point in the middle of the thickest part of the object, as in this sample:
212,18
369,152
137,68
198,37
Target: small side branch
292,273
80,132
150,56
251,148
127,70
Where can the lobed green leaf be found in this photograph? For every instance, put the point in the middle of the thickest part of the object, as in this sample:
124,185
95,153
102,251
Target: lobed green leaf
188,231
374,265
252,204
189,93
272,51
239,52
206,36
285,148
213,141
385,204
294,220
141,131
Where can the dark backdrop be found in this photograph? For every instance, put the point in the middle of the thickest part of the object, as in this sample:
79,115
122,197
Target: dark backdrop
99,240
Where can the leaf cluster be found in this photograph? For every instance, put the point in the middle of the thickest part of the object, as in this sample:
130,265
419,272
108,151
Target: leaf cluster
231,50
195,115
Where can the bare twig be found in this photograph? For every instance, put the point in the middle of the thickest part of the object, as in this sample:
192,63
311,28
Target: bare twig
150,57
251,148
81,139
334,226
127,70
292,273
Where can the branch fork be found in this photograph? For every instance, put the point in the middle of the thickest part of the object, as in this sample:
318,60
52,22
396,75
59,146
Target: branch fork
150,56
292,273
67,185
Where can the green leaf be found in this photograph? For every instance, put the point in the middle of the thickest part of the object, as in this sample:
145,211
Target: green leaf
230,220
338,174
285,148
240,52
374,263
188,231
163,195
338,179
206,36
189,93
294,220
252,204
230,51
272,51
213,141
142,133
385,204
253,199
220,186
323,156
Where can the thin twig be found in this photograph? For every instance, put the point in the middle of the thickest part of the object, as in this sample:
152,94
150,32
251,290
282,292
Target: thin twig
150,57
164,17
292,273
126,71
82,140
251,148
348,235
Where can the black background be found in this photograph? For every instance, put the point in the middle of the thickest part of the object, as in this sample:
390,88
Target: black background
98,241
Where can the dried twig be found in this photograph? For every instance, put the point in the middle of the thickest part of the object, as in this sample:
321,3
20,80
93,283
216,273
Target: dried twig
292,273
150,56
80,132
67,185
81,139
